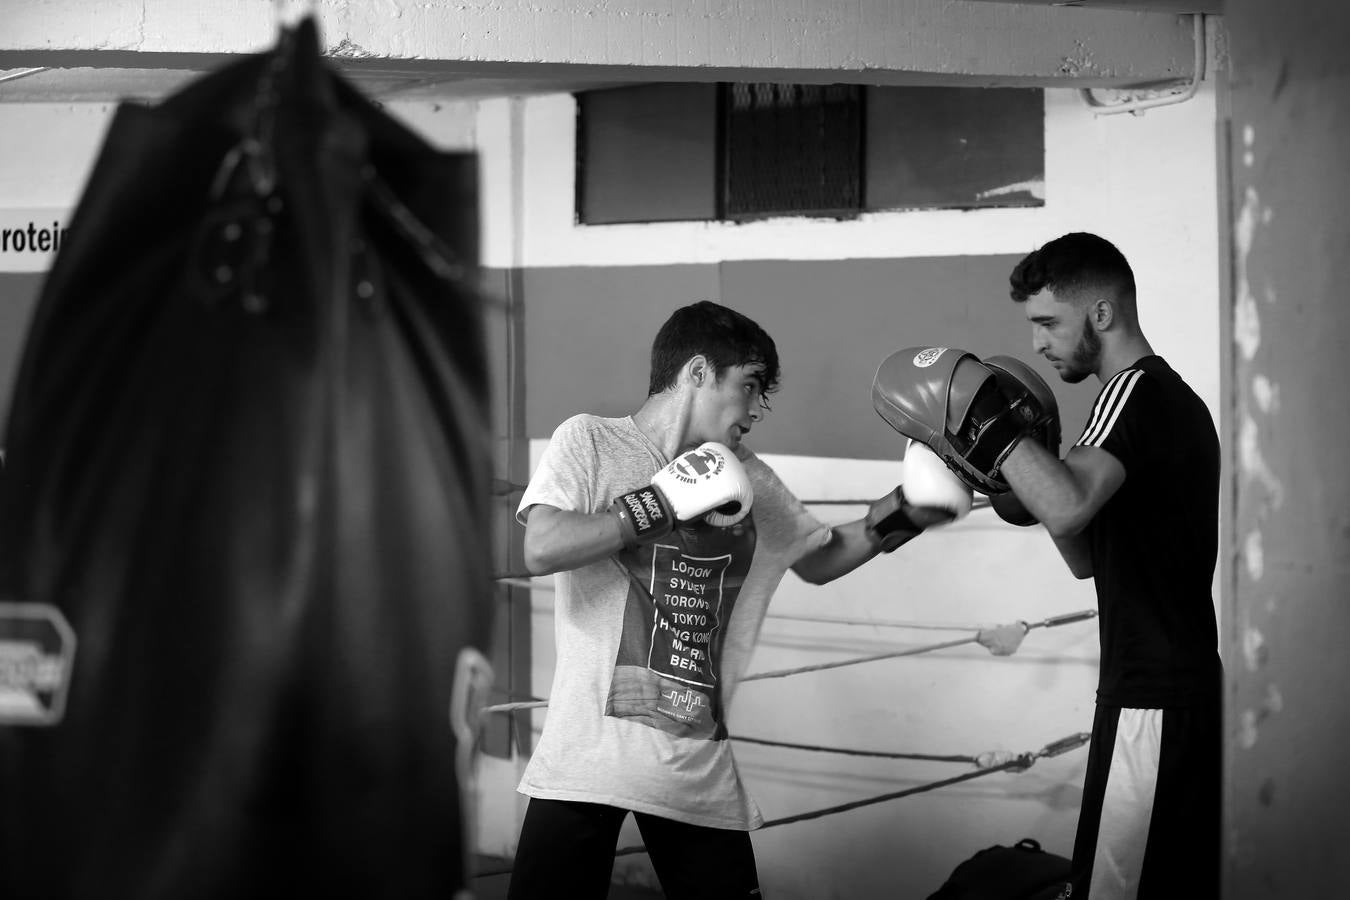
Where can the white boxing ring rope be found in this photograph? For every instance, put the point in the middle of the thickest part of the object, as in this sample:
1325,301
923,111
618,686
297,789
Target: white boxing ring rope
985,637
534,583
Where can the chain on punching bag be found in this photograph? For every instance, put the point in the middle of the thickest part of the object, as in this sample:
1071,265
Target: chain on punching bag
248,461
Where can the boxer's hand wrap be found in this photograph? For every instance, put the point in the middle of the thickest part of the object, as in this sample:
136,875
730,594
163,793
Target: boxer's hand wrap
644,515
888,522
931,495
707,483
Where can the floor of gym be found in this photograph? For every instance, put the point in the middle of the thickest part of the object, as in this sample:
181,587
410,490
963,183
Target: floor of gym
494,887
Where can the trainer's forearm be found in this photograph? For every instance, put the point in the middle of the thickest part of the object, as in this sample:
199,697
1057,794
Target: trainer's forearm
557,540
849,547
1047,488
1077,554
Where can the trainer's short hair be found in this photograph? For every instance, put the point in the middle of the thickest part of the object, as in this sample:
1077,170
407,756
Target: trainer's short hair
1072,264
722,335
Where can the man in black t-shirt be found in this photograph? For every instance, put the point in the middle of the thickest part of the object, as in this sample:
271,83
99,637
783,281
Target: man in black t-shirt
1134,505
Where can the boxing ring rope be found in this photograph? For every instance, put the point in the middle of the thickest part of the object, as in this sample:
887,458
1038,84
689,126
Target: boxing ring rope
846,751
528,582
875,657
1023,626
1018,763
979,637
876,623
502,488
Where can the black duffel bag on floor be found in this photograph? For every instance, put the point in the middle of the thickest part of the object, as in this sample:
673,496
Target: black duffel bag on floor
1021,872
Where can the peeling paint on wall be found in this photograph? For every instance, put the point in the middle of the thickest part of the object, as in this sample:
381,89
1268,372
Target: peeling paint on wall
349,49
1253,648
1249,724
1247,730
1266,393
1034,187
1251,217
1246,318
1252,553
1079,62
1253,463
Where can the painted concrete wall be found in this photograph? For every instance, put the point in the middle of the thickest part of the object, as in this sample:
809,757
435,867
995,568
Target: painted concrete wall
1288,789
1150,184
1146,182
833,321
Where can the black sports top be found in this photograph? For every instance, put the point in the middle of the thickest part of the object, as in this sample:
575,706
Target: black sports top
1155,542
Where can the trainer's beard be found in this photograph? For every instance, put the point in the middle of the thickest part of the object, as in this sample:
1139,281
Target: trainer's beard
1086,355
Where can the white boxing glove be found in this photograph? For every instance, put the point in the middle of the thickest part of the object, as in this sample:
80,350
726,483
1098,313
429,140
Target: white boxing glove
930,496
708,481
928,482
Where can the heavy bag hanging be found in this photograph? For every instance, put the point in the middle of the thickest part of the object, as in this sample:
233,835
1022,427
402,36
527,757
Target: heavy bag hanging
248,463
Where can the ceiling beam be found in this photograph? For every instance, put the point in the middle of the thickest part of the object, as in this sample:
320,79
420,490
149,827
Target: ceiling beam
874,41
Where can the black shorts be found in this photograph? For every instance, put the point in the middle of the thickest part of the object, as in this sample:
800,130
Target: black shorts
566,849
1150,823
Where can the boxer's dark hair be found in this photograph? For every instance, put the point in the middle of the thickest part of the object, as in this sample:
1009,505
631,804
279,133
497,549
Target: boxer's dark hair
1071,264
726,337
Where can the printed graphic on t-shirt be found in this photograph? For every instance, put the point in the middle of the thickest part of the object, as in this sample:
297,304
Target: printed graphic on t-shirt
680,598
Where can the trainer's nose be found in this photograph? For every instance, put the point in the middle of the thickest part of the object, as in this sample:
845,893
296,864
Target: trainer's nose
1039,340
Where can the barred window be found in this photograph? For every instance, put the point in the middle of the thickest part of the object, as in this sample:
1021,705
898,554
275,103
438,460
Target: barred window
746,151
792,149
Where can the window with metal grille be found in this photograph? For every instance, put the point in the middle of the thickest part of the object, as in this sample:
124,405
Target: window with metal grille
792,149
746,151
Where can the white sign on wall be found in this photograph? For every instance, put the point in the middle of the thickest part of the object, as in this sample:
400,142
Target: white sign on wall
29,238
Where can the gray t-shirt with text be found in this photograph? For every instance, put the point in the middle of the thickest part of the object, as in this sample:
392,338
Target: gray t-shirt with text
652,641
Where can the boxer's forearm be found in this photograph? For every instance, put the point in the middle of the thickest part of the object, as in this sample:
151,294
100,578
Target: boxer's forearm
849,547
557,540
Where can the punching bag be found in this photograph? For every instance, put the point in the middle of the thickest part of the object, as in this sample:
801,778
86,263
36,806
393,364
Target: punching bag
247,471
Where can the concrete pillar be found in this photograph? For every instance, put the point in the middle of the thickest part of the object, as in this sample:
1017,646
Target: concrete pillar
1287,613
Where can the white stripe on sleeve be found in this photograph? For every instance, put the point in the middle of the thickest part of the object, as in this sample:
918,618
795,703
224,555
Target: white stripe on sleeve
1101,403
1108,406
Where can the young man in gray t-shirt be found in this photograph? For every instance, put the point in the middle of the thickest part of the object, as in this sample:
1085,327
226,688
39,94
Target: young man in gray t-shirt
667,549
